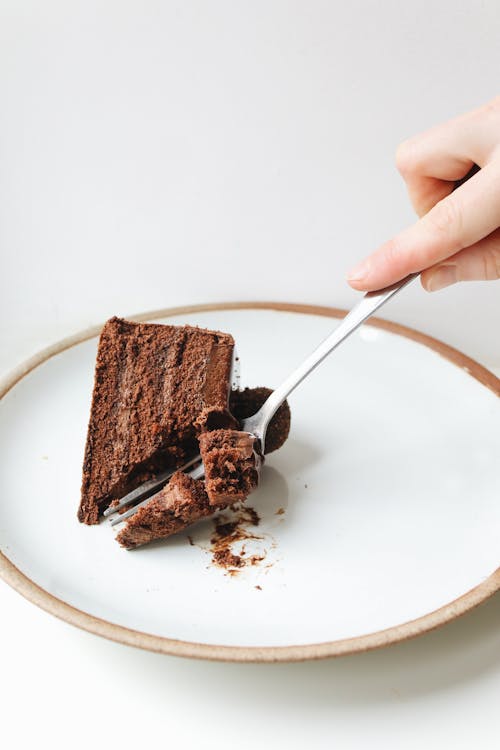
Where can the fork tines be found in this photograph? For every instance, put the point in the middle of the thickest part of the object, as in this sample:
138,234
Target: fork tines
144,492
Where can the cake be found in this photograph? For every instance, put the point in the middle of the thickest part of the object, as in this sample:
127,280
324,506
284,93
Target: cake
156,388
180,503
162,395
232,461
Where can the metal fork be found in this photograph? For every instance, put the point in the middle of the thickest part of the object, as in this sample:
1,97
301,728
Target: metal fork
257,424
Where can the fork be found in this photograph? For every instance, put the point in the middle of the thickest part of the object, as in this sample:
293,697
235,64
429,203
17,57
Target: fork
257,424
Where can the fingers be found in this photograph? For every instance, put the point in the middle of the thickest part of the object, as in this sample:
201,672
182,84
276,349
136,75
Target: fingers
447,151
451,220
430,163
480,262
461,219
425,192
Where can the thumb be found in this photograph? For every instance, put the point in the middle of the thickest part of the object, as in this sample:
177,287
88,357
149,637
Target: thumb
479,262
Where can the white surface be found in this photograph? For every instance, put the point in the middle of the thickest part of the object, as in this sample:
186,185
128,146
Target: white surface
131,130
367,541
142,142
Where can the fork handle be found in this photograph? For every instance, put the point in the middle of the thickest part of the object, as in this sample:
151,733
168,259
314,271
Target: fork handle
365,308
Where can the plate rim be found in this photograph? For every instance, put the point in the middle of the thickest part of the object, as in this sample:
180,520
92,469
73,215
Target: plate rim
302,652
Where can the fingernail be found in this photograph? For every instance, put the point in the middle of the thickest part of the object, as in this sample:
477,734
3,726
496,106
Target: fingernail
359,272
442,276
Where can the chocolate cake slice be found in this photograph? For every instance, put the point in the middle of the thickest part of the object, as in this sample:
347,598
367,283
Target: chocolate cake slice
232,461
156,387
181,502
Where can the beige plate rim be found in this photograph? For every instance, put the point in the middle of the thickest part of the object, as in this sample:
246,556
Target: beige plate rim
34,593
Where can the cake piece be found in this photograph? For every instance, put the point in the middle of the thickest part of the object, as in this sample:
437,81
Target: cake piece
246,403
232,461
156,387
181,502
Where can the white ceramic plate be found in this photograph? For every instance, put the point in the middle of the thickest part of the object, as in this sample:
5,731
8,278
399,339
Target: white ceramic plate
389,482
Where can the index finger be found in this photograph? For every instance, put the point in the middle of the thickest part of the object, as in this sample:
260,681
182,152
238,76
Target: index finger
466,216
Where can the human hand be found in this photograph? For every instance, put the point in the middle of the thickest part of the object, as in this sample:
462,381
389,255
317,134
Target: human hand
457,237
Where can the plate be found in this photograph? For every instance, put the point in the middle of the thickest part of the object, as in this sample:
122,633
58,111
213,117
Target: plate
379,518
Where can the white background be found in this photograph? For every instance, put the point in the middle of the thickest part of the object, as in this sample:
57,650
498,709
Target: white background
163,153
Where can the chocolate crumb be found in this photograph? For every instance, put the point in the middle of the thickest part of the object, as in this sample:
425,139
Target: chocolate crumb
280,511
223,530
259,587
255,559
226,559
252,516
228,532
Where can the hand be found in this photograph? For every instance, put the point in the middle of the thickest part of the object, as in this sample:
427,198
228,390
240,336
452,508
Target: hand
458,236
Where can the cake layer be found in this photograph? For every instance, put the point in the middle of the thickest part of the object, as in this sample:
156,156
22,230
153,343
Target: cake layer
155,388
232,462
181,502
